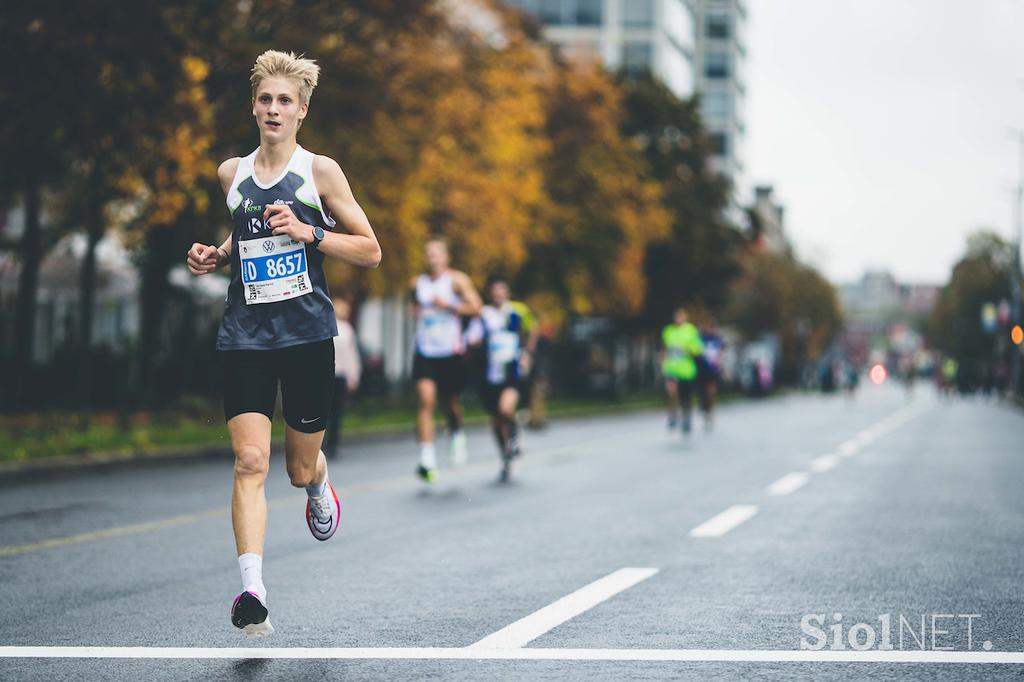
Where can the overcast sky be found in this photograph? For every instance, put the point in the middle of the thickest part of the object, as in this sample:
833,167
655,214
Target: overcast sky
884,126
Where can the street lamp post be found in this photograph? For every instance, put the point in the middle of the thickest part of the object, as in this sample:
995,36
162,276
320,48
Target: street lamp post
1015,275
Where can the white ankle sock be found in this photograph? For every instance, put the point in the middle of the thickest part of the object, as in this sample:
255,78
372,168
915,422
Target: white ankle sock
317,489
428,458
251,566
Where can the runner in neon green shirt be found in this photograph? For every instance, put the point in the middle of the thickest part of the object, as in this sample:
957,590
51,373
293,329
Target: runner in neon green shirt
682,346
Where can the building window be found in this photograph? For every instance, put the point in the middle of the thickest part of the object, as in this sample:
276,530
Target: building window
637,57
529,6
638,13
551,12
716,105
588,12
720,143
716,65
718,26
564,12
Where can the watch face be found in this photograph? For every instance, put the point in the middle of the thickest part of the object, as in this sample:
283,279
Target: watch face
318,233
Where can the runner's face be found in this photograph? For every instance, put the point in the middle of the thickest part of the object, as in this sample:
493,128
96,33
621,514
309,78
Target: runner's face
681,317
437,257
277,109
499,293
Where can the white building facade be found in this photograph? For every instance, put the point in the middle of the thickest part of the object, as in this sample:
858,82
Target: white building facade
634,35
721,80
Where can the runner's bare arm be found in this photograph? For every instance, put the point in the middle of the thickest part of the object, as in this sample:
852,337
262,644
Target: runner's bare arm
226,174
205,258
533,338
359,246
471,303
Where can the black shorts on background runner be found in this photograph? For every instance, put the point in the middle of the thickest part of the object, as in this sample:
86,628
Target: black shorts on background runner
305,373
684,387
490,394
448,373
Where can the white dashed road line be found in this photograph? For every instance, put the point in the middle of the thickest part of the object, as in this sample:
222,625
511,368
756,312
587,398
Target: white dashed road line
719,525
849,448
529,628
824,463
789,483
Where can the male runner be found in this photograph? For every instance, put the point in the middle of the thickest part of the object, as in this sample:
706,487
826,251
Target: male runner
278,322
509,334
682,346
709,370
441,297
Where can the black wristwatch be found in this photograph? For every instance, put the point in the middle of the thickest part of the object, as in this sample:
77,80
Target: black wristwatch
318,236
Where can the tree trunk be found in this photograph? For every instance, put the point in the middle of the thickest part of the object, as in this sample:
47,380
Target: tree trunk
28,287
87,291
161,253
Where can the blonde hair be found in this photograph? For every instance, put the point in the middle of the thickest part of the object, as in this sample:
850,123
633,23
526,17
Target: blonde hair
304,72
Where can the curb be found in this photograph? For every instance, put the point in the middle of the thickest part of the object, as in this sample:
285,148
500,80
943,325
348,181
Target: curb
13,472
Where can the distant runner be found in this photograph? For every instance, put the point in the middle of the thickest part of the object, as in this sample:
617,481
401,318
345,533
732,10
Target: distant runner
441,297
709,370
681,346
509,334
347,371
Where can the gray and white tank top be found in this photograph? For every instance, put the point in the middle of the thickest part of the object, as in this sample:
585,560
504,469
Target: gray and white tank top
278,294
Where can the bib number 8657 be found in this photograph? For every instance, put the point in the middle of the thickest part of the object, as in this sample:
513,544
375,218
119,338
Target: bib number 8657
276,267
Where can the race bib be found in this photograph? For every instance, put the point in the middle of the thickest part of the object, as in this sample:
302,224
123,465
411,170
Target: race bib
273,269
675,353
439,327
503,347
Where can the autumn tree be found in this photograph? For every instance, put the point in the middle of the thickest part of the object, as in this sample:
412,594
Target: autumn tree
606,209
981,276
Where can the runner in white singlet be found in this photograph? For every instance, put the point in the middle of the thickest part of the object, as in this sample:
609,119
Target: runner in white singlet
440,299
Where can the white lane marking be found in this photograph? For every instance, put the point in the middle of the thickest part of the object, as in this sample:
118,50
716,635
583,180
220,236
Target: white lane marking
789,483
824,463
849,448
529,628
720,524
537,654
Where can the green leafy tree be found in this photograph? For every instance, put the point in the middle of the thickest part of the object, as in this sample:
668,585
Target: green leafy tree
38,98
695,262
981,276
778,295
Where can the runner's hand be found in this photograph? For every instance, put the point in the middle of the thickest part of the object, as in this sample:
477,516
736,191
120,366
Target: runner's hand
281,219
525,363
202,259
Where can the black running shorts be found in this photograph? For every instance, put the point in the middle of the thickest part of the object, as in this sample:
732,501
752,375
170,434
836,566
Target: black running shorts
304,372
490,395
448,373
684,387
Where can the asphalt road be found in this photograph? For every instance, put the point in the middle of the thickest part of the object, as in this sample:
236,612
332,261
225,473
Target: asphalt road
883,508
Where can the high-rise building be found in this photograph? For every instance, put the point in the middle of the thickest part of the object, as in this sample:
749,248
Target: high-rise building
721,80
634,35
